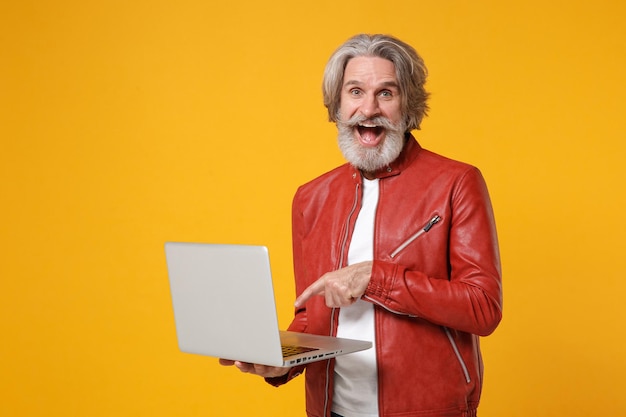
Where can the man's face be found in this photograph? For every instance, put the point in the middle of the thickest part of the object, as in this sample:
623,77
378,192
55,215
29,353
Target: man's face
371,124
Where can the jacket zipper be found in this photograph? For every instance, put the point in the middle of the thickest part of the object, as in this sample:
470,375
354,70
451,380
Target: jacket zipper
426,228
342,256
327,383
457,353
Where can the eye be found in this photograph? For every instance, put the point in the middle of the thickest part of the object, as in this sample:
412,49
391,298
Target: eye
386,93
355,92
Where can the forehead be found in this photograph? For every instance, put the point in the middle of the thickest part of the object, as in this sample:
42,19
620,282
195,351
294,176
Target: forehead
369,69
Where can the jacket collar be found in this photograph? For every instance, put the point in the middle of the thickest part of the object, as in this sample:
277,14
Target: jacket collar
410,151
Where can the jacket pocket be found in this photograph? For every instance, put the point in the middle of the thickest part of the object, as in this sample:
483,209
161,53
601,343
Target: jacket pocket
424,229
457,353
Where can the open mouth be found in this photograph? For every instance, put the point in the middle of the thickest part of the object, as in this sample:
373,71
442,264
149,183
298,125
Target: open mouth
370,134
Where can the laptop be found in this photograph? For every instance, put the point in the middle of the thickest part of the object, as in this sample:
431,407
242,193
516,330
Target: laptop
224,307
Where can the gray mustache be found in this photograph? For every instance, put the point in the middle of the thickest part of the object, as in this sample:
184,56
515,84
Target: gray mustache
360,119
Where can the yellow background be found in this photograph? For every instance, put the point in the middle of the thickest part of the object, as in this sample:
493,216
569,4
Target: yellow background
124,124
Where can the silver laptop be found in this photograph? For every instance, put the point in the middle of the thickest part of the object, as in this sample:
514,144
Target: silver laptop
224,307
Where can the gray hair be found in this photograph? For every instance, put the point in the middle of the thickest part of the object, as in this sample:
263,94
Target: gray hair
410,72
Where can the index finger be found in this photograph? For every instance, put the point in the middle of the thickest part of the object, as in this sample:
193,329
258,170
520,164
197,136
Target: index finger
317,288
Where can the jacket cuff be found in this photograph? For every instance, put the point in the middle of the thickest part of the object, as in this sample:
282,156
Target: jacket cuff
381,281
281,380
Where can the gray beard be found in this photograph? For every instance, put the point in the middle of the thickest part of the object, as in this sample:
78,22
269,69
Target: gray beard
370,159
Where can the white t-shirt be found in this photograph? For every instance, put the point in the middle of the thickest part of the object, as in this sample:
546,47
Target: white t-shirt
356,382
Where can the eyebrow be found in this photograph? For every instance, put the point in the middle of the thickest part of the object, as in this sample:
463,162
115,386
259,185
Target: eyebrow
384,84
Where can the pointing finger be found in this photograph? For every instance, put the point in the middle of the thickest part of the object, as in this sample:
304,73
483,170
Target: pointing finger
317,288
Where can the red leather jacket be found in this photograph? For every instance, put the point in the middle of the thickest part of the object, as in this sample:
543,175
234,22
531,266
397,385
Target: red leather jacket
435,285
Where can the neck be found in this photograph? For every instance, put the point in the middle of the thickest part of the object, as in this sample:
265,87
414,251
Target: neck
369,175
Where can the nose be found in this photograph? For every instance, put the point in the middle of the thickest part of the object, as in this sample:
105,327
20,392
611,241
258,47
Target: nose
369,107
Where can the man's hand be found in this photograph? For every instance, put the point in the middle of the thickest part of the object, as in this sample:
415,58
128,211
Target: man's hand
340,288
256,369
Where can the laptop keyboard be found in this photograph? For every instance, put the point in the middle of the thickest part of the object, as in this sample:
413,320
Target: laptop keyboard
294,350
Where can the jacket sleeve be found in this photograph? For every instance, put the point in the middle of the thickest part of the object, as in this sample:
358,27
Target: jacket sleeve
470,299
299,322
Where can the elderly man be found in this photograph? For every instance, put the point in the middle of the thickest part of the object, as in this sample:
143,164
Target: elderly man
398,246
